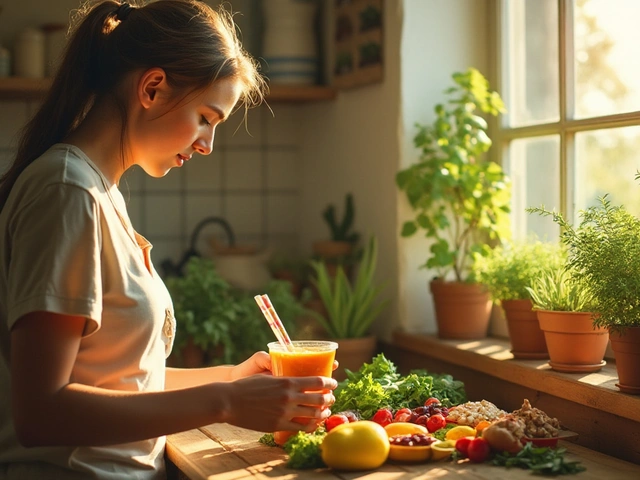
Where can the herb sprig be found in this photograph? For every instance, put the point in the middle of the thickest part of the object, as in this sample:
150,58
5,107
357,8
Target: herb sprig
542,460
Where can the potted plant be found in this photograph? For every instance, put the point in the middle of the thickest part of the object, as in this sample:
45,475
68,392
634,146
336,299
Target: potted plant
507,270
460,202
219,324
351,308
340,246
605,252
565,311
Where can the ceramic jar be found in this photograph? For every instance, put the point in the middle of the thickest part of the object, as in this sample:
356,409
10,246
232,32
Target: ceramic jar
290,41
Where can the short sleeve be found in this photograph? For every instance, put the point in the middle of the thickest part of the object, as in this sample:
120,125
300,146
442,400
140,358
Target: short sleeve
55,256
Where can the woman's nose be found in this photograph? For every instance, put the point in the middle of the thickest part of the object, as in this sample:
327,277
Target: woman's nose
204,144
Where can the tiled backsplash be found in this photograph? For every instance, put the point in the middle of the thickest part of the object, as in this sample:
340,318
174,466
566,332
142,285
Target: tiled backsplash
251,179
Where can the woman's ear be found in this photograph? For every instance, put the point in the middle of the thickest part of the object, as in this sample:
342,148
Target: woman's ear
151,86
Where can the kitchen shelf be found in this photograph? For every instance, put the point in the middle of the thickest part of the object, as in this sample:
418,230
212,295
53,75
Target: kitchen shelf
16,88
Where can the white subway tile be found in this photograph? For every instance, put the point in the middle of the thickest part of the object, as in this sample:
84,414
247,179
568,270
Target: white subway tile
283,169
204,172
200,207
244,213
283,127
171,182
282,213
237,132
133,180
243,170
171,249
162,215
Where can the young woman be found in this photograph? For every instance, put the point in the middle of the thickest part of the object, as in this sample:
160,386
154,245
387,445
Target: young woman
85,321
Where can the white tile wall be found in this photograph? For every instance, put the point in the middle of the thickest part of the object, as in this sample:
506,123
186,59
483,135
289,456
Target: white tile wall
251,179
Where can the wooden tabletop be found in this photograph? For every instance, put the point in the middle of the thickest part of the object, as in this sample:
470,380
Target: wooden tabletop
225,452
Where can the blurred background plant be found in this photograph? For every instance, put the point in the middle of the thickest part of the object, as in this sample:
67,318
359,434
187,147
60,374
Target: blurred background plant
224,322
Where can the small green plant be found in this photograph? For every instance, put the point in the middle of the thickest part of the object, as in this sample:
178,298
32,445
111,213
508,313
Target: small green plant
459,201
351,308
508,269
341,231
221,318
558,291
604,252
203,306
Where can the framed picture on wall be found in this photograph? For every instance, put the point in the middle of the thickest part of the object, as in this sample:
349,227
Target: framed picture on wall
358,43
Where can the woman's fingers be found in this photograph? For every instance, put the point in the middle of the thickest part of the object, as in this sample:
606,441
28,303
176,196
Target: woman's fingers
336,364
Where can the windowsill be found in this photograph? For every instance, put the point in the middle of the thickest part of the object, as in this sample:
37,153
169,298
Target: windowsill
492,357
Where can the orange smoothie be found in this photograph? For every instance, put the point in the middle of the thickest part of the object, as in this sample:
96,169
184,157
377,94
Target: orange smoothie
310,358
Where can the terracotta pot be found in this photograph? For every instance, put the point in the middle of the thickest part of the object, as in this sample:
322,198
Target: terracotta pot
462,309
626,350
332,249
352,353
527,340
574,344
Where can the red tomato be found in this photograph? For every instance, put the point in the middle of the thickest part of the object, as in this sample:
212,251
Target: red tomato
462,445
335,420
404,413
478,450
436,422
383,417
430,401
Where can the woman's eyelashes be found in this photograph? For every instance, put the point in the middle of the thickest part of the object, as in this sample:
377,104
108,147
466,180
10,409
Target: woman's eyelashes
205,121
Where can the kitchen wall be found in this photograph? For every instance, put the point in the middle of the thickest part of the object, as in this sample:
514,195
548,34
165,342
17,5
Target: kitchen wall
252,178
273,184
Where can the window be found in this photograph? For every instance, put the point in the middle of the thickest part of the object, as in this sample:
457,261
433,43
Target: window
570,78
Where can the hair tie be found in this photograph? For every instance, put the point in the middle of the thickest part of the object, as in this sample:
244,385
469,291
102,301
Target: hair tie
123,11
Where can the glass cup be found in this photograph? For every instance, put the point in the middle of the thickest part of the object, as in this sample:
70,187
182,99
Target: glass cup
309,358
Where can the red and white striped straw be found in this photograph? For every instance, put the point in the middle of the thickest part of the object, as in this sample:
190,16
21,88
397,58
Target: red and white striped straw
274,321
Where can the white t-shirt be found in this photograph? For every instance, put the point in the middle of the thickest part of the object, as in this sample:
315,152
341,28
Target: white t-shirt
67,246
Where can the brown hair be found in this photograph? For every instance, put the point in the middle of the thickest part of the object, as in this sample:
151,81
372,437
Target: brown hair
191,42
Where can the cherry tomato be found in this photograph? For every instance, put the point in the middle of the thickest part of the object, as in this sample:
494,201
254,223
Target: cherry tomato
431,400
462,445
478,450
436,422
404,413
383,417
335,420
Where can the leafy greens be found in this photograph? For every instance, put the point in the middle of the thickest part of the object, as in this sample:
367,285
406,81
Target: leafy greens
379,385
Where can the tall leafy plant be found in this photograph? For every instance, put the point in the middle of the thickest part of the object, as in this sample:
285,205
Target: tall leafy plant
604,252
351,307
460,202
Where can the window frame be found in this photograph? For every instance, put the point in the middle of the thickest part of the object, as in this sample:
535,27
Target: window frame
566,127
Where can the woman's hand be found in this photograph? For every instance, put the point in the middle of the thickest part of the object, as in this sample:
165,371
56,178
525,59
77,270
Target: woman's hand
258,363
266,403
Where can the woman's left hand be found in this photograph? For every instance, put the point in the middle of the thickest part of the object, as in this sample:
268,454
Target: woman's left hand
258,363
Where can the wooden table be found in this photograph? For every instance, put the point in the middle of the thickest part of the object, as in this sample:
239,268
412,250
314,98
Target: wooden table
225,452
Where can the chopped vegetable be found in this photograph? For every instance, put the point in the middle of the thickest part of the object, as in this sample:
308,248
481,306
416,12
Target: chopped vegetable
304,450
542,460
267,439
